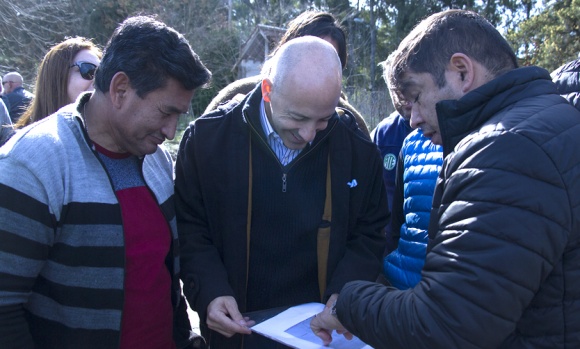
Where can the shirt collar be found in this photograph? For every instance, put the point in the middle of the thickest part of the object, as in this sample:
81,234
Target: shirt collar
266,125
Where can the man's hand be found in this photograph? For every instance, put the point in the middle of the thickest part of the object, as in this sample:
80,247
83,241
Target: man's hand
324,323
223,316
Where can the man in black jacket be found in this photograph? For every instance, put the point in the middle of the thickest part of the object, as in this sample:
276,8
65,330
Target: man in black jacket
503,263
567,80
279,199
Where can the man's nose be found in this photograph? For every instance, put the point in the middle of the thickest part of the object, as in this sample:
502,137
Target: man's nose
308,132
170,127
416,119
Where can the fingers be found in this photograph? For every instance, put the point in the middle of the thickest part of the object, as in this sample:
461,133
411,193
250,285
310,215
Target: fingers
348,335
324,334
324,323
224,317
331,300
345,333
249,322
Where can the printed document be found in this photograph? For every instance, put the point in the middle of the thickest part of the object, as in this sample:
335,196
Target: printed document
292,328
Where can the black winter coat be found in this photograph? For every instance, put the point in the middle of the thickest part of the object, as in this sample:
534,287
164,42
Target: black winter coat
212,176
567,80
503,264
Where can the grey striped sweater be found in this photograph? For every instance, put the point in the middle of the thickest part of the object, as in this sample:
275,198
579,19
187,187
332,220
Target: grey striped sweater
61,239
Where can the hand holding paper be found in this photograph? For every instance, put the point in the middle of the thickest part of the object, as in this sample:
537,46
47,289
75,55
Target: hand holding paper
223,316
293,327
325,322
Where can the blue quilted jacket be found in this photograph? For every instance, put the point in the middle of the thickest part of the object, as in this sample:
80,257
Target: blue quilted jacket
422,162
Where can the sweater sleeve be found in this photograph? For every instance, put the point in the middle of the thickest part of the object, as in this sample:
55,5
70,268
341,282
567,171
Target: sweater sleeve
496,242
27,232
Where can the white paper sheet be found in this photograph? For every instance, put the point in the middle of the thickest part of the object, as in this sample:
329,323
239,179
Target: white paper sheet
292,327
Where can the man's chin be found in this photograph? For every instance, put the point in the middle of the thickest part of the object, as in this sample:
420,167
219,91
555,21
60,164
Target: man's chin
141,152
294,146
436,139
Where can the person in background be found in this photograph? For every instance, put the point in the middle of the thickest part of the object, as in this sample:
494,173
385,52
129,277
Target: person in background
17,97
90,254
5,123
321,24
503,263
567,80
417,169
418,165
279,198
3,96
67,70
388,136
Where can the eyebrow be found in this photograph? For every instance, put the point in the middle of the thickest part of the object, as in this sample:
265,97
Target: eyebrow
310,117
406,85
294,114
169,109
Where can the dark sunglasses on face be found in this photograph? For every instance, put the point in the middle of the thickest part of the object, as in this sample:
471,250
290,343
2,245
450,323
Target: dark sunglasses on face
86,69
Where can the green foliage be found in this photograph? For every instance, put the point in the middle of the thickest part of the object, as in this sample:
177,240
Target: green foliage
550,38
219,55
28,29
217,29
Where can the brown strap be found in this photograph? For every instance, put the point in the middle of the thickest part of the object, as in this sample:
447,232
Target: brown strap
248,227
249,217
323,238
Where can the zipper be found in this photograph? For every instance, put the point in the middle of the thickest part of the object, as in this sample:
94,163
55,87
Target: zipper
285,172
92,147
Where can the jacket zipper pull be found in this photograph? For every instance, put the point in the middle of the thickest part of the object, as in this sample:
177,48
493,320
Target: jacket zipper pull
283,183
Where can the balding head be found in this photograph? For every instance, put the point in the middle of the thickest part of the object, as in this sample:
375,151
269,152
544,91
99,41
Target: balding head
11,81
301,87
306,62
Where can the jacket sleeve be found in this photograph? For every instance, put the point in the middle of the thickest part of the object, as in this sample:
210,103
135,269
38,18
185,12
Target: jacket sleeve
496,241
202,270
27,232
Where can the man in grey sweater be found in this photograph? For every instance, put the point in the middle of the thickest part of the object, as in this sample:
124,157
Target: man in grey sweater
89,254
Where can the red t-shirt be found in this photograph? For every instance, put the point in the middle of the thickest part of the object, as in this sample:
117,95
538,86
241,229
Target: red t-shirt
147,321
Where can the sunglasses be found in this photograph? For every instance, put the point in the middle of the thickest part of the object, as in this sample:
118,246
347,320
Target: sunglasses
86,69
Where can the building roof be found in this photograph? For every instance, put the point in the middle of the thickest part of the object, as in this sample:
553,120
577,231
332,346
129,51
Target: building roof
255,48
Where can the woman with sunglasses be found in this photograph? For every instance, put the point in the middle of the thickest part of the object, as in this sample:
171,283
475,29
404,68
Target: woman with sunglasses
65,72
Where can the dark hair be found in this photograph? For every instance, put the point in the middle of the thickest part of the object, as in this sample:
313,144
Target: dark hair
150,52
397,99
51,90
430,45
320,24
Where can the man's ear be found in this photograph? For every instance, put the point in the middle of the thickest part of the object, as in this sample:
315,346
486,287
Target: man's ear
119,88
463,71
266,89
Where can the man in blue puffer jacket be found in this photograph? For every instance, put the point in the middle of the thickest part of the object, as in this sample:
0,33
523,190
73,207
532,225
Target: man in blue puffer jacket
419,164
389,136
